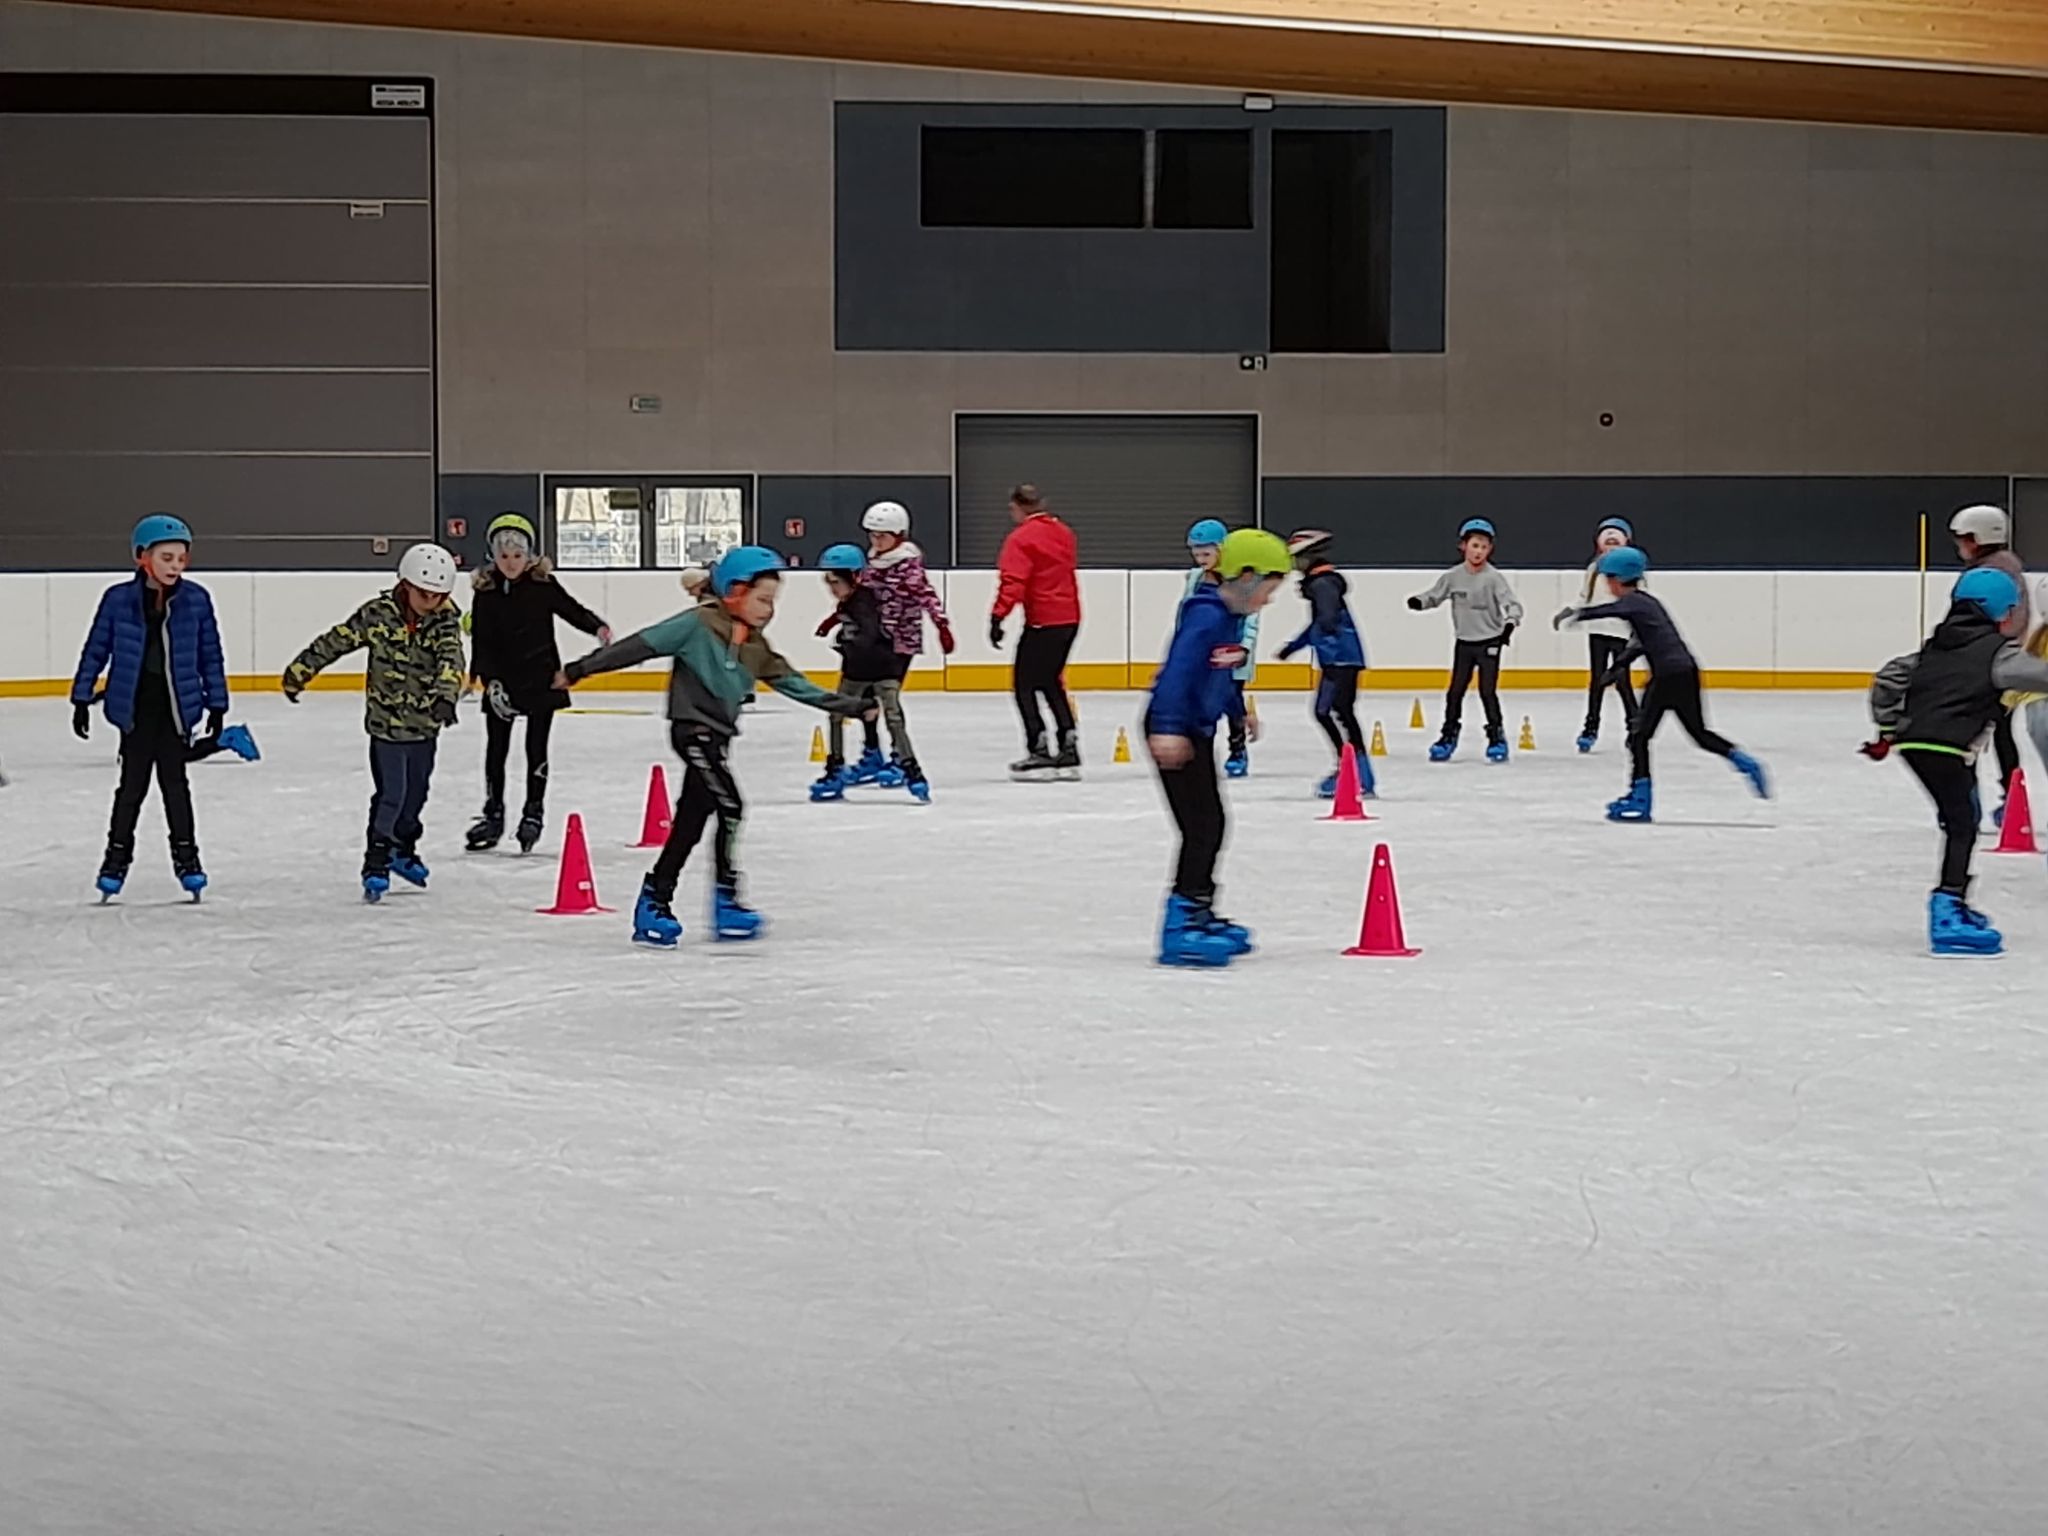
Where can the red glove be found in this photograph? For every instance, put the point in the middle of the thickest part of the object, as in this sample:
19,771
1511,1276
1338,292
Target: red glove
945,636
1877,751
826,625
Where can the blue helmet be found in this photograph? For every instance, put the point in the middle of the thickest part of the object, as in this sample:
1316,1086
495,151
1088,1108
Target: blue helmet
1473,525
1620,526
742,566
1207,534
1990,589
160,528
843,557
1625,564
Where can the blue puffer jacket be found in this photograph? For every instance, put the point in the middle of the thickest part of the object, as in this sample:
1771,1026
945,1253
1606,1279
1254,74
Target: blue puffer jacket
191,652
1331,629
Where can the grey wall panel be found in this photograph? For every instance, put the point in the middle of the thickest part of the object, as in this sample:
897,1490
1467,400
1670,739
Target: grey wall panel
77,156
217,327
473,501
830,507
1686,522
216,412
214,243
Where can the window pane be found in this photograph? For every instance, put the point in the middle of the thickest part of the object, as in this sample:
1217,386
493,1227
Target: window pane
695,524
1204,179
597,527
1034,178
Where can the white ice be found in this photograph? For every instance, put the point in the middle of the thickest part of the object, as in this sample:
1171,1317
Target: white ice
1673,1189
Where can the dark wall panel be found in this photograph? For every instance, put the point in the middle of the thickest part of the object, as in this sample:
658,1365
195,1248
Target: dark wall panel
1703,523
473,500
120,242
219,327
831,507
92,156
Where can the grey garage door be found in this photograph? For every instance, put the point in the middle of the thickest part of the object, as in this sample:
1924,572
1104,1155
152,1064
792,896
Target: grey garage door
1129,485
217,295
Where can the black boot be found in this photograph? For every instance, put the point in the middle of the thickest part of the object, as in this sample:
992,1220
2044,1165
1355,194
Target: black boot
1035,764
185,865
114,869
1068,764
376,868
531,821
488,829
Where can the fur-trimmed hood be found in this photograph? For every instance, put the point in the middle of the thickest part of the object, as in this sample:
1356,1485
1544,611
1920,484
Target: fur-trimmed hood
542,569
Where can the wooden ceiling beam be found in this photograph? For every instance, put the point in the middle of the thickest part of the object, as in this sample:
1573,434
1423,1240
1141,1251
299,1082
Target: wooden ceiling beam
1239,56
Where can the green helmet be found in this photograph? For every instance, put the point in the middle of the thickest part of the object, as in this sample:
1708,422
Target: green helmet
1255,550
510,522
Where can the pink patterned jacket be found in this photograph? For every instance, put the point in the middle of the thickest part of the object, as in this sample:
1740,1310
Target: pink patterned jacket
906,595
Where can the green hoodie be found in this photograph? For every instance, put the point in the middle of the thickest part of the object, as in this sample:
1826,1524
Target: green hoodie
718,662
415,663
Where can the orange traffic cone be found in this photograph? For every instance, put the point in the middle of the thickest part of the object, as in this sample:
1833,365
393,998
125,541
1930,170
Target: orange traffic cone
1350,802
2016,832
575,887
655,821
1380,932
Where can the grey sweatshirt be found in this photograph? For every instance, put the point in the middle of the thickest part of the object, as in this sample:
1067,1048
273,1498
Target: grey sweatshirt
1482,602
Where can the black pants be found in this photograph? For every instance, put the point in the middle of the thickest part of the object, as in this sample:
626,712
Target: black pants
498,746
400,772
1041,659
1679,694
2006,749
153,746
1602,652
1337,709
1951,782
1483,657
1238,741
1197,806
709,790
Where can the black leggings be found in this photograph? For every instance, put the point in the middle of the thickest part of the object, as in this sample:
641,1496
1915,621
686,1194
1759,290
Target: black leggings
1483,657
498,747
153,746
709,790
1677,694
1041,661
1197,806
1336,709
1602,654
1951,782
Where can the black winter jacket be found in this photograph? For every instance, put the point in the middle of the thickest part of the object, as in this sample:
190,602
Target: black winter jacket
1955,694
512,635
866,653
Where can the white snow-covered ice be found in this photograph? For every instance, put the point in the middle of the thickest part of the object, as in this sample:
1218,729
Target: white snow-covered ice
1673,1189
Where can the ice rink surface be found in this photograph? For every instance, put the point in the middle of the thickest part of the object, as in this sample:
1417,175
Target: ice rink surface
1673,1189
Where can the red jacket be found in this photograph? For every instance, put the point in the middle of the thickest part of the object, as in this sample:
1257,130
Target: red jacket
1037,569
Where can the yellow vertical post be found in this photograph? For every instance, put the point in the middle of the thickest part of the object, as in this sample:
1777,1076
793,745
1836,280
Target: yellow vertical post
1923,575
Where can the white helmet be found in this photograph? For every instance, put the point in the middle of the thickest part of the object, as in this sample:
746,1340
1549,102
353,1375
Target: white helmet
428,567
1987,525
886,517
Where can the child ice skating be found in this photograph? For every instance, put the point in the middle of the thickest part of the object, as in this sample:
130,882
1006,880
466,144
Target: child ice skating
1194,688
414,676
867,659
1205,542
895,574
1606,640
1674,681
516,601
1983,535
156,639
1933,708
1340,652
1484,613
720,652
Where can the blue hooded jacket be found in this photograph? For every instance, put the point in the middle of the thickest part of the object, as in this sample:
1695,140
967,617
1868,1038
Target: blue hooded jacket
1195,687
1331,629
192,655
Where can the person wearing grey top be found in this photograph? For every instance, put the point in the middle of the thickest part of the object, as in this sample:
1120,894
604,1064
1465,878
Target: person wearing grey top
1484,614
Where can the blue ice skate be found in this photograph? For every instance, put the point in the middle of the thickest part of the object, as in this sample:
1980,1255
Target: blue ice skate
1954,929
1186,940
409,868
1633,806
1238,765
185,865
109,886
1444,746
869,769
1588,742
1236,935
831,784
731,921
236,739
914,780
1753,771
892,776
374,887
1998,816
654,921
1327,790
1497,751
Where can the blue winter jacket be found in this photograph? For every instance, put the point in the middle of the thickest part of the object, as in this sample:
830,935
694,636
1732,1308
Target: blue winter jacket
1331,629
1195,687
192,655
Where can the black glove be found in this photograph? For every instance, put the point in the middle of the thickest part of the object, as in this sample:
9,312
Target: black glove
995,632
1507,635
1415,604
216,719
81,721
444,712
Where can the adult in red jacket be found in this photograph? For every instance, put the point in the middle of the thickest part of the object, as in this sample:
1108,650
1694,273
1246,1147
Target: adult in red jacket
1038,571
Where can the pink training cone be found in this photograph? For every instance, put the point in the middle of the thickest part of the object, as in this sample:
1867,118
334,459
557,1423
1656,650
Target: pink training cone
2016,832
1350,802
576,887
654,824
1380,932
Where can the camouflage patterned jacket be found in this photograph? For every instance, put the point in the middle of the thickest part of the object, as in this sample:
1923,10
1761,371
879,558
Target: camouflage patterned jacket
413,665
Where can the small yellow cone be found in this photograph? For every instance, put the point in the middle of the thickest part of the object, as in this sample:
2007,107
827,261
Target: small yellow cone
1251,706
1528,741
1415,716
817,743
1379,741
1122,754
